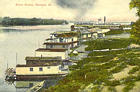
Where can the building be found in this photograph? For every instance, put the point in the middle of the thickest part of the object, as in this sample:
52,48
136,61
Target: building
27,72
59,45
63,42
43,60
45,52
41,68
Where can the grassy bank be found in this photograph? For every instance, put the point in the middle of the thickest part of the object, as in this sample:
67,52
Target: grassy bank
114,32
100,70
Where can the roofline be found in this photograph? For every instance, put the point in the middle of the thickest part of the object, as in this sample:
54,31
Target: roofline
59,43
42,58
35,65
51,50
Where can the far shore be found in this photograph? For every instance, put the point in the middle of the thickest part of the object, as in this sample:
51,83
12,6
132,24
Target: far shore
27,27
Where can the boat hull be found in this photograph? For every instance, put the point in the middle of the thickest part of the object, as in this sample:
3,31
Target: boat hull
38,77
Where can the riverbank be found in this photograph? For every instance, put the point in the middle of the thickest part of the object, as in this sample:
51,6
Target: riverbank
100,71
26,28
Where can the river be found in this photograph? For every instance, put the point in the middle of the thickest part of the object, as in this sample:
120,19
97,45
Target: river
21,43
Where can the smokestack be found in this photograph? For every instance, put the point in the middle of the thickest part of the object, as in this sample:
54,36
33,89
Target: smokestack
72,28
104,20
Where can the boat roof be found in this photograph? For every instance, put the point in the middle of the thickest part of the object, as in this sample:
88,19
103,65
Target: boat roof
51,50
43,58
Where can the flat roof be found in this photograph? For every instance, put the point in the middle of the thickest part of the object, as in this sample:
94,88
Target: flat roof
59,43
51,50
43,58
65,34
37,65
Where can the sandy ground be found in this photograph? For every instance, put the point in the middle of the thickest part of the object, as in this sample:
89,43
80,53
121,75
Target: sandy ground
119,88
136,88
123,73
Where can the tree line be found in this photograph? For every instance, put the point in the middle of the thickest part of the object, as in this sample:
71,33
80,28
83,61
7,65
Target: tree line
7,21
136,26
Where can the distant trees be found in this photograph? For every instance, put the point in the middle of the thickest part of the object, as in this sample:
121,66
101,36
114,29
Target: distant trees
0,20
7,21
136,26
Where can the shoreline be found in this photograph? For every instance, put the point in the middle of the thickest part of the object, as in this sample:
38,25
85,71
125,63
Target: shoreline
28,27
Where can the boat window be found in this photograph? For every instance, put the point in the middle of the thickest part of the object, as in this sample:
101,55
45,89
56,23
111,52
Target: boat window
51,46
72,39
31,69
61,39
63,46
30,85
40,69
48,67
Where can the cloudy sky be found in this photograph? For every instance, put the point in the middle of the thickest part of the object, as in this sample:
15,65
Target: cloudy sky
114,10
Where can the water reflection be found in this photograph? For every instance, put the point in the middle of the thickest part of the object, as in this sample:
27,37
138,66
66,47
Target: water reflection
23,86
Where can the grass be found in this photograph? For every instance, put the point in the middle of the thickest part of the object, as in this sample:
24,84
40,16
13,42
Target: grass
72,54
114,32
98,68
134,70
100,44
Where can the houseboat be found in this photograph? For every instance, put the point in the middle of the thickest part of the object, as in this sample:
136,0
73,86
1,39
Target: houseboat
37,68
59,44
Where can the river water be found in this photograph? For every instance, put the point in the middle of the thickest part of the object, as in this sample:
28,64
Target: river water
21,43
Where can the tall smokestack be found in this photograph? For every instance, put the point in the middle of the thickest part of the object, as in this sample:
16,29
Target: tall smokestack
72,28
104,19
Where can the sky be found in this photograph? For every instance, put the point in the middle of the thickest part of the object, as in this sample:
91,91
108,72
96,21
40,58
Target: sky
114,10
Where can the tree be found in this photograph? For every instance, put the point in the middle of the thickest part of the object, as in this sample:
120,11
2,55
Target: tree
136,26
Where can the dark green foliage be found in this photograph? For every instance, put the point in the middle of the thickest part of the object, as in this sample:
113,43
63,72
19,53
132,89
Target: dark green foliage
114,32
119,68
112,89
112,83
105,53
128,87
135,32
108,44
97,89
135,69
7,21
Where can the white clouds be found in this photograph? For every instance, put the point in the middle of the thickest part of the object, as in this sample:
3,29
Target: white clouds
113,9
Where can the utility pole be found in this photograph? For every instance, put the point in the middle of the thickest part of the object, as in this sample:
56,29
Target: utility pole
16,58
7,64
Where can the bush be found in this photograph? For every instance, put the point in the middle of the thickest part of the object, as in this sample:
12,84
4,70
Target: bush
135,69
